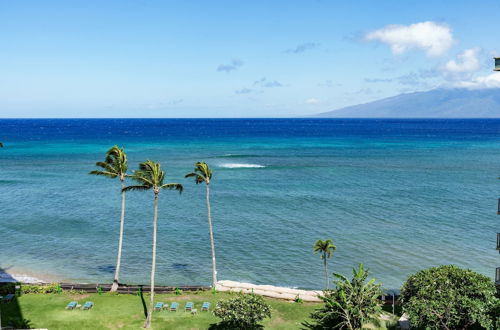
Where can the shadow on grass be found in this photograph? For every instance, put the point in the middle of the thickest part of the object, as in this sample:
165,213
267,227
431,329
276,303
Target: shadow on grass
232,326
145,308
10,311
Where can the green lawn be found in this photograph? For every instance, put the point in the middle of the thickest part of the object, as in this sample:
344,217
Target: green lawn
127,312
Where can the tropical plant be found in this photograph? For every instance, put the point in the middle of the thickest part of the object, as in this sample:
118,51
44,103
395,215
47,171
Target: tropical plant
202,173
150,176
245,311
449,297
326,248
115,166
350,305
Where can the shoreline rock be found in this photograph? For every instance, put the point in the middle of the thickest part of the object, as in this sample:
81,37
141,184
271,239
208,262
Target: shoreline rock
269,291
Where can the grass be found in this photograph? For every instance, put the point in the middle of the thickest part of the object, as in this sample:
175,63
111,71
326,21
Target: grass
113,311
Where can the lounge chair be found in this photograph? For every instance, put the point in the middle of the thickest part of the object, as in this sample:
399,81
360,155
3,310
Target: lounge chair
158,306
8,298
205,307
71,305
88,305
188,307
174,306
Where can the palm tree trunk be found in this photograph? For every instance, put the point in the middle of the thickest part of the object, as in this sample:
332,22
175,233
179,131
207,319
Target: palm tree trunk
147,324
114,287
326,271
212,244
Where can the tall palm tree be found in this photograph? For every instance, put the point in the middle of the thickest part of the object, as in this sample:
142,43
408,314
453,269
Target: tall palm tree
202,173
150,176
115,166
326,248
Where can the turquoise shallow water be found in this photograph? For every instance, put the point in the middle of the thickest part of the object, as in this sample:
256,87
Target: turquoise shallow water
397,195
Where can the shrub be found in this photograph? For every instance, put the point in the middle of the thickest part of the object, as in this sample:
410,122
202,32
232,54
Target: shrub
350,305
448,297
48,288
244,311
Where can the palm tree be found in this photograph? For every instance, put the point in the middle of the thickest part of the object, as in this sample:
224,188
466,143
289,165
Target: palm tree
202,173
326,248
150,176
115,166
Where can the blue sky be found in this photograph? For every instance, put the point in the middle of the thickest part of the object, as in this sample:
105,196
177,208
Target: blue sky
235,58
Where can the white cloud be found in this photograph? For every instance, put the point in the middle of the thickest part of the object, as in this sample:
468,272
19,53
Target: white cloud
433,38
489,81
466,62
313,100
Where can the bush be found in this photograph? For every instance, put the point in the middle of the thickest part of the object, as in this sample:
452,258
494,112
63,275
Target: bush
448,297
242,312
350,305
48,288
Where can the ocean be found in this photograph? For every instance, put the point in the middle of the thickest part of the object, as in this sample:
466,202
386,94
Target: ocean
395,195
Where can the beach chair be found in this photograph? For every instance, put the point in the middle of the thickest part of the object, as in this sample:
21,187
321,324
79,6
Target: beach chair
174,306
188,307
71,305
205,307
8,298
88,305
158,306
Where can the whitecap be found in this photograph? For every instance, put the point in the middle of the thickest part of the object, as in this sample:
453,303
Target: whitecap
238,165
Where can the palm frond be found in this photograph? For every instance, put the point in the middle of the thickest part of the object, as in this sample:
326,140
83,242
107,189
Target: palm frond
326,247
137,187
104,173
173,186
115,162
202,173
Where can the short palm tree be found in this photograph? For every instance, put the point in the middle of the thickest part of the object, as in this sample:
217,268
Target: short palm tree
326,248
202,173
115,166
150,176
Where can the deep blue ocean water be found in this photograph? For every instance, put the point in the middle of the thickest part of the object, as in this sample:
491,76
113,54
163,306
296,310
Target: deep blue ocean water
397,195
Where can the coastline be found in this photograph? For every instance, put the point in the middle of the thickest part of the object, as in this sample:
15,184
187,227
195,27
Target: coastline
14,274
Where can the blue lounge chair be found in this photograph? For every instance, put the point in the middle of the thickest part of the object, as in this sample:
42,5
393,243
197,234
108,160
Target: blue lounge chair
71,305
8,298
88,305
205,306
158,306
188,307
173,307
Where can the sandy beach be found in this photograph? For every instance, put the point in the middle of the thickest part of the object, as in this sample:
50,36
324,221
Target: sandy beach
26,276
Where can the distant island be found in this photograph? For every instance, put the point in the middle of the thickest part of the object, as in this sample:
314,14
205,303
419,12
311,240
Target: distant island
438,103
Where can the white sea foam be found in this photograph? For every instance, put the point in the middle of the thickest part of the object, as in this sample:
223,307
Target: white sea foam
5,277
238,165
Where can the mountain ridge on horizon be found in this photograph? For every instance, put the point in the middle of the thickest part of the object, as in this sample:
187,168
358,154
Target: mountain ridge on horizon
436,103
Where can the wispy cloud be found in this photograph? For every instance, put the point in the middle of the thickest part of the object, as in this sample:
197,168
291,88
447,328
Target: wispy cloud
265,83
377,80
489,81
244,91
175,101
466,62
313,101
328,83
433,38
235,64
302,48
